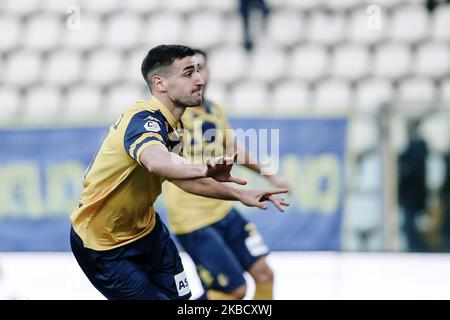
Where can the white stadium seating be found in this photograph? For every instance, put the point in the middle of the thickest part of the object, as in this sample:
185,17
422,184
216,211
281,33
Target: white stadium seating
319,57
63,67
11,30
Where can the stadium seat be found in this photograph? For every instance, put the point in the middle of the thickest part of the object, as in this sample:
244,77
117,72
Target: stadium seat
42,103
291,98
141,7
205,29
102,7
123,31
218,93
20,8
250,98
83,102
280,22
358,30
37,27
87,37
63,67
416,93
11,29
163,28
120,97
432,60
235,31
226,7
19,62
185,6
132,66
58,7
350,62
362,134
333,97
341,5
308,62
9,104
392,61
304,5
436,131
390,4
278,4
372,93
403,29
441,23
228,63
103,67
267,65
326,29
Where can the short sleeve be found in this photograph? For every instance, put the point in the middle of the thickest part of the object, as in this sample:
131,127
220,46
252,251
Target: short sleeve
145,128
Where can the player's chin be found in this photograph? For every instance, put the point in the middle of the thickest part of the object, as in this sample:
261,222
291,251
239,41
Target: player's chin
194,101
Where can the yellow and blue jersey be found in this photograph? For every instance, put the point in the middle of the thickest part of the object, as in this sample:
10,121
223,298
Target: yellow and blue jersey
187,212
116,205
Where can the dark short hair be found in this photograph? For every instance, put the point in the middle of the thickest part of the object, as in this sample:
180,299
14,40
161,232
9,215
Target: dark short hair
200,51
161,57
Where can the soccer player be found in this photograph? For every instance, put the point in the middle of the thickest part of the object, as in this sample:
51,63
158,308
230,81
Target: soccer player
222,244
117,237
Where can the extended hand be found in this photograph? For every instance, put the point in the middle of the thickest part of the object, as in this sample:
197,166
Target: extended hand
255,198
220,169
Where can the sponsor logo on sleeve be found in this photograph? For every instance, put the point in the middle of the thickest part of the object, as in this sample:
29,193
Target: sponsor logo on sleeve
152,126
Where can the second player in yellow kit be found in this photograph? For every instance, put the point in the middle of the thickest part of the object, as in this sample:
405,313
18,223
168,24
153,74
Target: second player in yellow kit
222,244
187,211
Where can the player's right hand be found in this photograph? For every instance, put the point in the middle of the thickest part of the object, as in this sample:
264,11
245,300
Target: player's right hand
220,169
256,198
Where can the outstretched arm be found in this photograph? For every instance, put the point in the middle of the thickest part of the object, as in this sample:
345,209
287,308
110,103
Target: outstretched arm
157,159
210,188
276,181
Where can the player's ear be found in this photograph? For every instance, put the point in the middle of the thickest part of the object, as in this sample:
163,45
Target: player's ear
159,83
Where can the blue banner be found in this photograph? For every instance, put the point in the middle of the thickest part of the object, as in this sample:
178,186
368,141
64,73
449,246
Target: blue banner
41,170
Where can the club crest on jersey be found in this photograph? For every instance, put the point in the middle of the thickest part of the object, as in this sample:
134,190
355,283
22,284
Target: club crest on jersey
152,126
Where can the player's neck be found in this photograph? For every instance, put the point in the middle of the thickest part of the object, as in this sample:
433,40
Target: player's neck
176,110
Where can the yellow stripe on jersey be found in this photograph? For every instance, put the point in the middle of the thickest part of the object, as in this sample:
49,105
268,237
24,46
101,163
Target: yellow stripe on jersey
116,205
142,138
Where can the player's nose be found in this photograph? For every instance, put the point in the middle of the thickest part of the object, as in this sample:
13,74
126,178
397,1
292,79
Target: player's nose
199,81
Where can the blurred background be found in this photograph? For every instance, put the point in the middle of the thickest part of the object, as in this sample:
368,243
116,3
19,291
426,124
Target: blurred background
360,93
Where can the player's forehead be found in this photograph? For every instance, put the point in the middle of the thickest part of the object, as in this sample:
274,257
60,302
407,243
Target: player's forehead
201,59
186,63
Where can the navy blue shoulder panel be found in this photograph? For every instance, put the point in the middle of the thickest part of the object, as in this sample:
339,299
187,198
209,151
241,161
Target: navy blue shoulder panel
144,122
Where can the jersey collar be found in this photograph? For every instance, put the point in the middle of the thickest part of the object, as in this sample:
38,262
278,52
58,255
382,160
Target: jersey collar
166,113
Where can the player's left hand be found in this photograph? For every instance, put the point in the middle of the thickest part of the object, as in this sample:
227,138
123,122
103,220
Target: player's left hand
220,169
256,198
